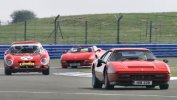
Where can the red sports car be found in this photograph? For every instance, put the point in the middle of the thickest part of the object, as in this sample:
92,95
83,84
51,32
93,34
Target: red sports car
80,56
27,56
130,67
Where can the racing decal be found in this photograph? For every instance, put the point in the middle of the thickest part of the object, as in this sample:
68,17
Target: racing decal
26,58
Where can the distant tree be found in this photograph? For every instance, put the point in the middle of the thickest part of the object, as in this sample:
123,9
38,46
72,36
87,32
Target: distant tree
22,15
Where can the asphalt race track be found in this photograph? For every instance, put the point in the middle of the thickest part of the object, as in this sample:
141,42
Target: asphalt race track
35,86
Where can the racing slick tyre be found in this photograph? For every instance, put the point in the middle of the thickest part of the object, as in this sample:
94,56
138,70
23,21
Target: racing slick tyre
107,84
46,72
95,82
150,87
7,71
164,86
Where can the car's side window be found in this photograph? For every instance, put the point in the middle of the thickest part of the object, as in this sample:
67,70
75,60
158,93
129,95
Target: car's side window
107,56
103,56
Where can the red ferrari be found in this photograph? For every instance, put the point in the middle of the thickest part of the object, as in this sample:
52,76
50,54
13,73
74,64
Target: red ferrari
130,67
27,56
80,56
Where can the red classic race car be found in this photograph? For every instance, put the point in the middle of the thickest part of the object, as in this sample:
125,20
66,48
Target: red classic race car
80,56
27,56
130,67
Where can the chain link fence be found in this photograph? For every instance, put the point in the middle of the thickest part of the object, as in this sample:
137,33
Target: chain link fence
94,29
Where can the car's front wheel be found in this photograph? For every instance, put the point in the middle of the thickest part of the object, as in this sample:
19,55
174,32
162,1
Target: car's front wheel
7,71
164,86
107,84
46,72
95,82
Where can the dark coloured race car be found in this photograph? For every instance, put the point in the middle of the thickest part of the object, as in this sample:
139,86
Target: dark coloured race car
80,56
26,56
130,67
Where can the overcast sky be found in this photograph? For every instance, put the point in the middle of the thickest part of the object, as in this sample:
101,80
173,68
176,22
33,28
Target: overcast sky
48,8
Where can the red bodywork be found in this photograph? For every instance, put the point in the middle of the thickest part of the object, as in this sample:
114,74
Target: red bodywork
126,72
75,59
26,62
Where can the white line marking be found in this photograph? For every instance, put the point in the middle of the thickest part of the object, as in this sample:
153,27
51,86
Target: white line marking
96,94
79,74
27,92
82,74
132,95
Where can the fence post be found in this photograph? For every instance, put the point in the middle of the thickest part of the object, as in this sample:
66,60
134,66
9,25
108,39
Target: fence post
118,28
146,28
86,32
55,29
25,30
150,33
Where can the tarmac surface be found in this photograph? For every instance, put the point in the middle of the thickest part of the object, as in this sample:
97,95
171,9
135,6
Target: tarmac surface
56,86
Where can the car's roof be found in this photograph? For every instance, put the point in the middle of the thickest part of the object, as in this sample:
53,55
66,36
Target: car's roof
115,49
26,42
21,43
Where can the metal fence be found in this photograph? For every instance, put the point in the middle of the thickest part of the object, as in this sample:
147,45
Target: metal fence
55,51
95,29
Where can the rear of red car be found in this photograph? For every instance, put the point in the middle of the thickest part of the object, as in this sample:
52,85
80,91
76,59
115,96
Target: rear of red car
140,73
80,56
77,59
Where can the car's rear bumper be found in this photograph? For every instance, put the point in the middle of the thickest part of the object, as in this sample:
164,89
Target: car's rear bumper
115,79
130,83
75,63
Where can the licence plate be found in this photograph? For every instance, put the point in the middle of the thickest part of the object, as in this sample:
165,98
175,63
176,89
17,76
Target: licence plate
142,83
26,64
75,64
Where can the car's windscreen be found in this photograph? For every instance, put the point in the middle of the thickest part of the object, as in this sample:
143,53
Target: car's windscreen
81,49
132,55
25,49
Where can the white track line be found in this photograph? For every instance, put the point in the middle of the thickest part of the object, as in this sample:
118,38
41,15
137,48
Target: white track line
129,95
27,92
96,94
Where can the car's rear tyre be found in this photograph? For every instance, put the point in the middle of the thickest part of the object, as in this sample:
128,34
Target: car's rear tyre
95,82
7,71
164,86
107,84
150,87
46,72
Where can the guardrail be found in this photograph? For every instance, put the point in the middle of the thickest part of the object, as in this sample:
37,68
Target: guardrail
55,51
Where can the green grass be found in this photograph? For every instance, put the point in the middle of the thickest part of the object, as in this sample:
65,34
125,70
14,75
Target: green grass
101,29
173,71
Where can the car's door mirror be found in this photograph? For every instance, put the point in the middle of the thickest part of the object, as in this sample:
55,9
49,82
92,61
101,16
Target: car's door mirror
98,50
100,62
165,60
